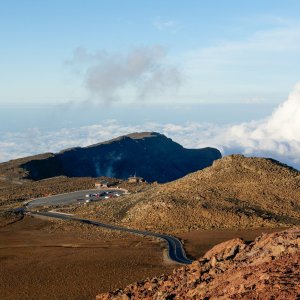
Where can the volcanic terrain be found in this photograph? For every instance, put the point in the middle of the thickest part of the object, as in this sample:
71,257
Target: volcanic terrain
268,268
150,155
202,208
236,192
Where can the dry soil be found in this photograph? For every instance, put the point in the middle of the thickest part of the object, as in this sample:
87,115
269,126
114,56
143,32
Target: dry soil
42,259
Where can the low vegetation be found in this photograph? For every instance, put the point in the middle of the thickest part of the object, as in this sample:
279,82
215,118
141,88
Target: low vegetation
236,192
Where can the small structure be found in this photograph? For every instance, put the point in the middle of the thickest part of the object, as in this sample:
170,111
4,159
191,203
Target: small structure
136,179
103,184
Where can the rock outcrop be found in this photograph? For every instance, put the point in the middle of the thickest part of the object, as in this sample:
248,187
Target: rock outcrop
268,268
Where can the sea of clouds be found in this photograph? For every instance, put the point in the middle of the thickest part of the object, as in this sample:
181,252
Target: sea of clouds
277,136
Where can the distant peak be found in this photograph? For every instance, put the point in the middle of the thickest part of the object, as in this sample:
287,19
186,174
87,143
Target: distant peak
133,136
141,135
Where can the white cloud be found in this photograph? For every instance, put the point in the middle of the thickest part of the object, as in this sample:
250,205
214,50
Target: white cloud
277,136
276,40
167,25
142,73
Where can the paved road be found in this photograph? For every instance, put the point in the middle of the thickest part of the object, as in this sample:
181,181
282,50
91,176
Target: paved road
68,198
175,248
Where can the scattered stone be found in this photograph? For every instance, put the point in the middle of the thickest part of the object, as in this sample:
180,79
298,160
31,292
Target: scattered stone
246,272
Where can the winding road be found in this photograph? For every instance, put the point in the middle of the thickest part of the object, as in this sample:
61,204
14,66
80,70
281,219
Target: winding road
175,248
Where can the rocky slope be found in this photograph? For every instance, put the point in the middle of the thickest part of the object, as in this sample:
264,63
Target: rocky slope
268,268
236,192
150,155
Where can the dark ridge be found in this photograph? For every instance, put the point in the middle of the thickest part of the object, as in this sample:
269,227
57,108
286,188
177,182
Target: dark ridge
150,155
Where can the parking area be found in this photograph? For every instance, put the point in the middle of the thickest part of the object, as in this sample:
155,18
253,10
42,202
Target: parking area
97,196
85,196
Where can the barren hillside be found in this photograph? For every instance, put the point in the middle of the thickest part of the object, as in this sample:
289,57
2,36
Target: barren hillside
235,192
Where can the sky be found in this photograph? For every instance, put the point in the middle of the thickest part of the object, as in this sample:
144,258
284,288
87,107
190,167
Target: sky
205,73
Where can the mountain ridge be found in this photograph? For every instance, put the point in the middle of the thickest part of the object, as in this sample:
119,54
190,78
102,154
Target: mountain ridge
150,155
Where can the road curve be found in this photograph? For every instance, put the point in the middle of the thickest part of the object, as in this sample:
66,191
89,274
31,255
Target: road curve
175,248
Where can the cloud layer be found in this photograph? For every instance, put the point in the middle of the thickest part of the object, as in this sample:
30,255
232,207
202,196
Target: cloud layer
142,73
277,136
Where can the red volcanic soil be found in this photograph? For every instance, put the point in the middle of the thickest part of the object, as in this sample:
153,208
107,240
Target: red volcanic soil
268,268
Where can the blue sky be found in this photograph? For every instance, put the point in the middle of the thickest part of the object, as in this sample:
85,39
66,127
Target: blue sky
223,51
205,73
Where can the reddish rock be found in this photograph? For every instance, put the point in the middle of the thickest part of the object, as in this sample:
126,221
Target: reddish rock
225,250
268,268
